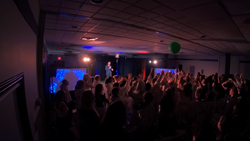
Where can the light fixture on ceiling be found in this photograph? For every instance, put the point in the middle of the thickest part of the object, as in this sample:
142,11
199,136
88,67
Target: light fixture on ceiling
86,59
203,36
74,26
88,38
246,21
96,1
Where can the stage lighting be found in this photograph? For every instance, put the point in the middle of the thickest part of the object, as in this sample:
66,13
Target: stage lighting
59,58
155,62
150,61
85,59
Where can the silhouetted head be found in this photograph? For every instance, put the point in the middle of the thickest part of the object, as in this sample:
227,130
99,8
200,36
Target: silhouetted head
97,78
98,89
65,82
147,97
116,85
108,80
123,83
86,77
115,115
115,92
233,91
79,84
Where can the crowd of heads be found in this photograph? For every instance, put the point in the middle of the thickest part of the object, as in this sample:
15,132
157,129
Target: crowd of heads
211,107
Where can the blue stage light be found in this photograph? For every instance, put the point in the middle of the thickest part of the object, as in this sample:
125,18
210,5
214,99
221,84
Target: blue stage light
87,47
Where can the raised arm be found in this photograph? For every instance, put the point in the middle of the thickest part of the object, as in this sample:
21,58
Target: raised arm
149,80
218,78
236,79
223,85
132,89
241,78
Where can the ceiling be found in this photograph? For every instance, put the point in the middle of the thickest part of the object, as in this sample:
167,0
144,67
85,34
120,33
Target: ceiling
201,27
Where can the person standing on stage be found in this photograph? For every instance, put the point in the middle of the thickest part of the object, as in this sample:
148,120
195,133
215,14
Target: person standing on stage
108,69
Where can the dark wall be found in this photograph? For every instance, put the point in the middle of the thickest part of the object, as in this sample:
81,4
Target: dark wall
18,46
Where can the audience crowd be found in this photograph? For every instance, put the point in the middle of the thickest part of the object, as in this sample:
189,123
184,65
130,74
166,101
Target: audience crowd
166,107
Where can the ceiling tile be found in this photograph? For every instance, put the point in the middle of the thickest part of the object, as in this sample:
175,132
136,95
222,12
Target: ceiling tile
79,20
108,11
123,15
49,16
162,10
161,19
68,11
117,5
105,2
129,22
90,8
50,2
51,21
70,4
148,15
182,4
147,4
85,13
149,22
244,28
50,8
49,25
237,7
101,16
130,1
159,25
107,23
63,22
64,18
116,19
76,24
137,19
85,28
134,10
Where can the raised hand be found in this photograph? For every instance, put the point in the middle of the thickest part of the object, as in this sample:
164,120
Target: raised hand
241,75
151,70
130,75
235,75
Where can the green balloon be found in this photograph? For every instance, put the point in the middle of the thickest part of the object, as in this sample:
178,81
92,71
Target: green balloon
174,47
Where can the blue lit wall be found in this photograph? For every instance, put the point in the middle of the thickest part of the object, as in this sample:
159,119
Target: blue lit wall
158,70
72,75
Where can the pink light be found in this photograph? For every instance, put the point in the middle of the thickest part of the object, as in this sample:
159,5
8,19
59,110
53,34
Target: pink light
143,52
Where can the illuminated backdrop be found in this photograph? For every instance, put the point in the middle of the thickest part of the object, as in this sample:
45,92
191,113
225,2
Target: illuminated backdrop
72,75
